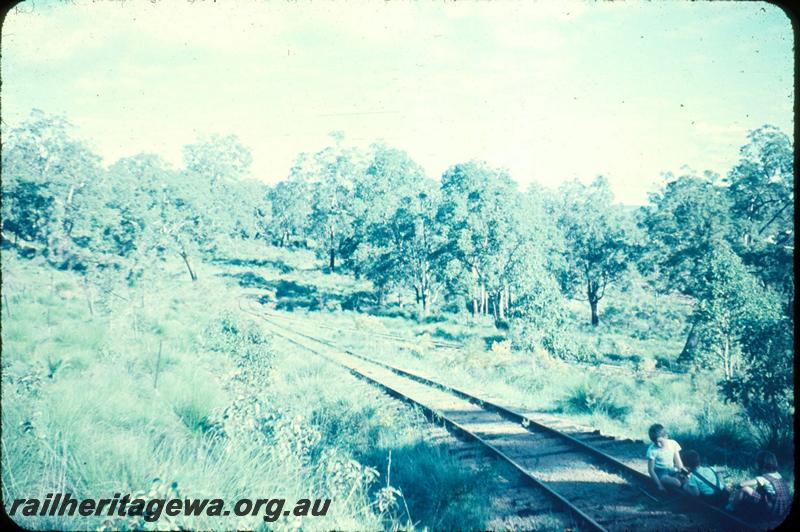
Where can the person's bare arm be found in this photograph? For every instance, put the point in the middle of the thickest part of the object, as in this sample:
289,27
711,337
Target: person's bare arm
651,468
678,461
748,483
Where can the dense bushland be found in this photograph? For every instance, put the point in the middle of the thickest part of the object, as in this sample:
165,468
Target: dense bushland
699,280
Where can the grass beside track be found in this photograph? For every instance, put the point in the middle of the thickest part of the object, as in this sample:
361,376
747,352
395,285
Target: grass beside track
639,330
151,391
126,391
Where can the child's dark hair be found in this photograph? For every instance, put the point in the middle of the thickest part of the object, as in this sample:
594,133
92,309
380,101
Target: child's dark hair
691,459
766,462
657,431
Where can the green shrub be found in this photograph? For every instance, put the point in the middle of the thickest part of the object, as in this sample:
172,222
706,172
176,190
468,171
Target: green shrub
609,397
243,341
725,440
439,492
192,416
663,362
349,426
765,388
566,345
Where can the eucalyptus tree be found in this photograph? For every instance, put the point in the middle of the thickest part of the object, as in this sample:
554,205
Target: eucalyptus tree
509,261
681,223
138,186
481,213
248,202
218,158
389,176
745,334
765,385
761,193
396,240
598,249
290,209
729,246
219,167
535,254
166,207
540,211
330,175
729,299
47,178
538,316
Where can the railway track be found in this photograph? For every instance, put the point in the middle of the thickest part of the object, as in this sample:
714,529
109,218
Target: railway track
600,491
603,367
438,344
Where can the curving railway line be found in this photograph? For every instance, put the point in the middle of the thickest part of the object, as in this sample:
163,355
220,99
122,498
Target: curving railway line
455,346
601,492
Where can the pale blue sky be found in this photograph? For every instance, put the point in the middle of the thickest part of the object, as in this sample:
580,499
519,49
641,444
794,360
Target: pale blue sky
550,91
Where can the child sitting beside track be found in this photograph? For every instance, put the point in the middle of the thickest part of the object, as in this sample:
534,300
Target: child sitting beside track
663,459
766,497
703,481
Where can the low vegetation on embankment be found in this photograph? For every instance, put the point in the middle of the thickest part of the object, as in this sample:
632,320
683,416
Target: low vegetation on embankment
171,390
630,382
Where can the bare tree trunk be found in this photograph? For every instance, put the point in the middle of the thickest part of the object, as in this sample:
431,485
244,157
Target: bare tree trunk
475,309
726,358
687,353
158,365
595,318
591,295
502,303
332,262
185,258
88,292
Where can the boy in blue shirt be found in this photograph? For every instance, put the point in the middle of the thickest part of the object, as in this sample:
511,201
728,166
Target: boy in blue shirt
702,481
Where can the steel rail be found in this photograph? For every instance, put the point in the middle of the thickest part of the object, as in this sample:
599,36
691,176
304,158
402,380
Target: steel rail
590,523
437,343
455,345
525,421
440,344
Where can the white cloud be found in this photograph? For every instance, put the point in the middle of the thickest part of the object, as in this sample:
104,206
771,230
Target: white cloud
534,86
42,36
720,130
